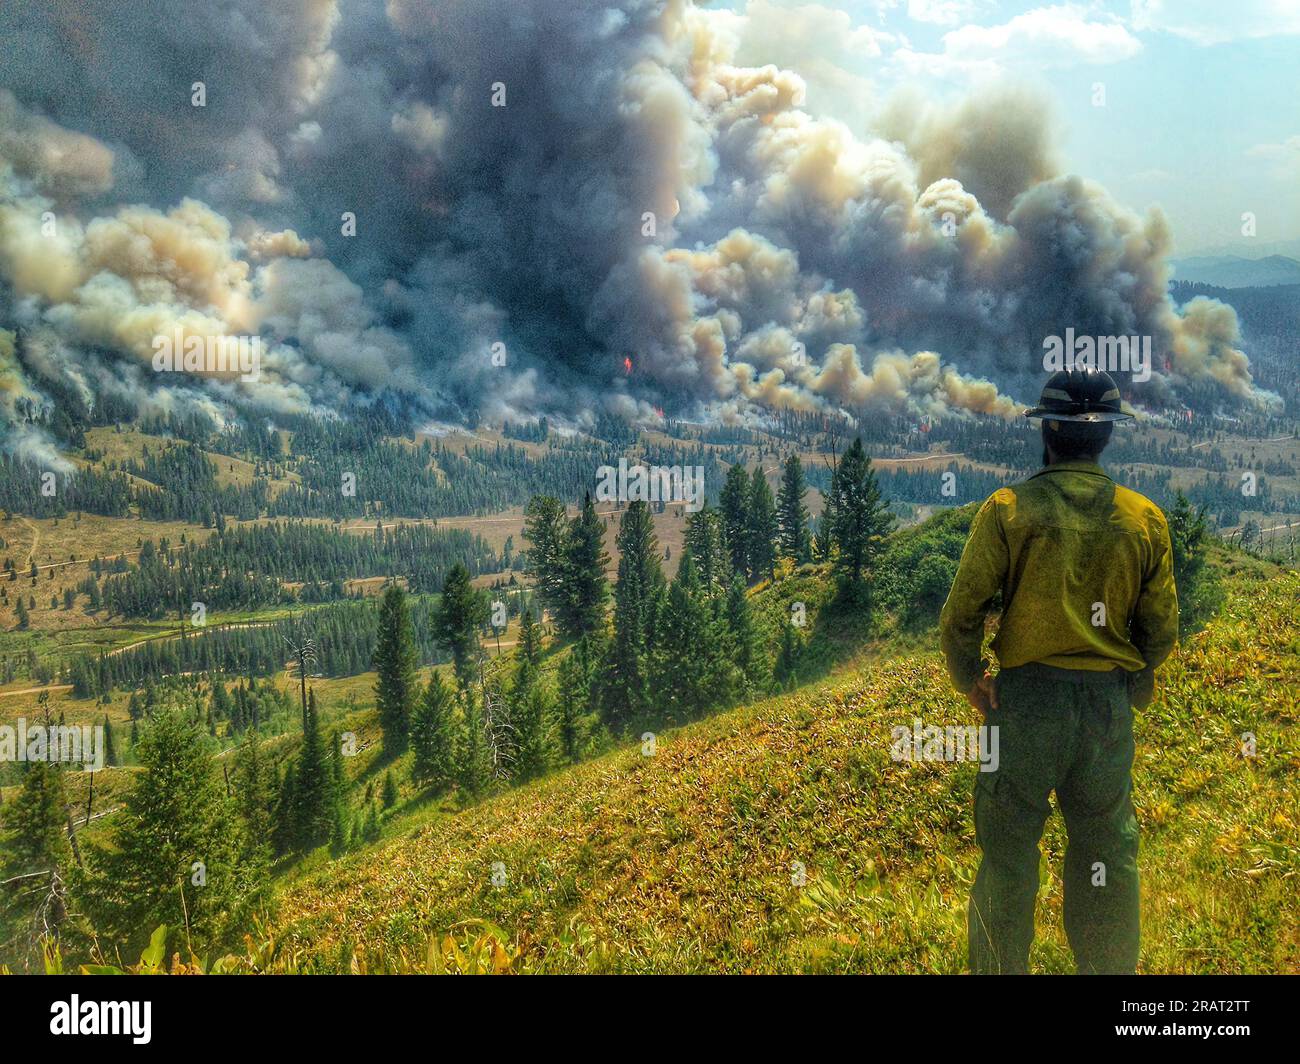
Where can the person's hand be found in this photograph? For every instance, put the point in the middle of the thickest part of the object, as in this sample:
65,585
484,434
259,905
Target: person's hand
984,695
1141,688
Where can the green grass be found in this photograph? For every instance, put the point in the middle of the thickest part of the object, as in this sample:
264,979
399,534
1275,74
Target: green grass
686,861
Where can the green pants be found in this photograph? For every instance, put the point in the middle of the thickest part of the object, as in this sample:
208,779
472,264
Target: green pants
1069,732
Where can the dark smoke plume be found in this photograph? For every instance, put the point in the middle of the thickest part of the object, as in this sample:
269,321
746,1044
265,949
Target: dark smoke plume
645,225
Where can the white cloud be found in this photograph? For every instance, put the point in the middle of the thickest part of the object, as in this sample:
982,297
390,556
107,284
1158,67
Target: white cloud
1046,37
1214,21
1156,175
1050,36
1282,159
941,12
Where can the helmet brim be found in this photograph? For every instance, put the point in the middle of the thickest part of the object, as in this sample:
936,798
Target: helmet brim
1092,417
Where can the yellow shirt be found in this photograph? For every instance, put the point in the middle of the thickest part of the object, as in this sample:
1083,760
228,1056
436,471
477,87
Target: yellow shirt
1085,569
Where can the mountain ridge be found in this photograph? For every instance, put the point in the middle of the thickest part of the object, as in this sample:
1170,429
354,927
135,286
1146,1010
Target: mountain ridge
1234,271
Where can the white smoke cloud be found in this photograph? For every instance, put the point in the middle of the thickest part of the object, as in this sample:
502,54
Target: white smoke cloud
653,220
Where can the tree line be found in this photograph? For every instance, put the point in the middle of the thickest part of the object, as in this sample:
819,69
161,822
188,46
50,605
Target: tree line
344,634
641,652
246,567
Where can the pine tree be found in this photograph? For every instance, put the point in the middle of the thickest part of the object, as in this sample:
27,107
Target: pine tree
371,831
395,661
745,647
546,529
473,762
528,653
682,651
787,661
792,514
110,745
254,799
585,587
640,583
461,612
315,797
704,543
339,830
528,706
860,524
734,504
573,702
33,840
433,736
24,618
761,527
285,835
221,705
388,795
1199,590
176,852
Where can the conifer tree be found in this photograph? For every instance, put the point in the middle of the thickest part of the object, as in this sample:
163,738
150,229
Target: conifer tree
734,504
371,831
528,703
761,527
395,663
221,706
176,855
1199,591
640,582
704,542
585,587
860,524
792,514
461,612
682,654
433,736
340,828
110,743
745,647
314,805
473,762
34,845
388,795
546,528
254,799
286,819
573,702
787,661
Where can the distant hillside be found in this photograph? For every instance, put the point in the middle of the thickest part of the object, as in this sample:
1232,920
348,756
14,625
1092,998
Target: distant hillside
1233,271
694,859
1246,248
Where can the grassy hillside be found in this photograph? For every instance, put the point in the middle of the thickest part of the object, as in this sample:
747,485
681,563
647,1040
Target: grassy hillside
690,859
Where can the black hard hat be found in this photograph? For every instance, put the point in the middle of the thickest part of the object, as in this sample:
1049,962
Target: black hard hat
1086,395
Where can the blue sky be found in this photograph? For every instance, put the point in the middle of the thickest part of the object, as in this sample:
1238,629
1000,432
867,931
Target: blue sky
1201,111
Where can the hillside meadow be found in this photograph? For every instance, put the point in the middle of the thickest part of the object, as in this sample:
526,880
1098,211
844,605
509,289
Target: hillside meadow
781,837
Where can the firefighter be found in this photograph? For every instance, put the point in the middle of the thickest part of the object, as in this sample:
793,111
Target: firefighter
1084,568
